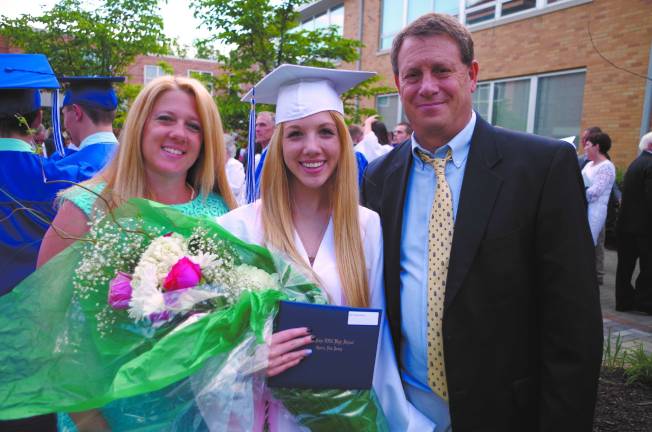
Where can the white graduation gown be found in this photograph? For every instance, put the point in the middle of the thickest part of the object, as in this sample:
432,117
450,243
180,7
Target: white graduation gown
245,223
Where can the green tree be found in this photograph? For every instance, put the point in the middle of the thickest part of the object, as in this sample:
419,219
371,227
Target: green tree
103,40
260,35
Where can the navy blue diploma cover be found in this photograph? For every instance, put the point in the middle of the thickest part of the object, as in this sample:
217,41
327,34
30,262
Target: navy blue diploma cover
343,353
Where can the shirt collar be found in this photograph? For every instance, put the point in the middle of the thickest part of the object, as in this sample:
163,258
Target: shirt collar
97,138
13,144
459,144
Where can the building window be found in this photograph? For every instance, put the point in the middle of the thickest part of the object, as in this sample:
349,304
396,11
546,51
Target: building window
396,14
546,104
332,17
205,77
510,104
559,105
151,72
389,109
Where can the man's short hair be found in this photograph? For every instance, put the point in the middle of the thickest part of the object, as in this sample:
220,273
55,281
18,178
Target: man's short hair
356,132
646,141
270,114
98,116
434,24
406,125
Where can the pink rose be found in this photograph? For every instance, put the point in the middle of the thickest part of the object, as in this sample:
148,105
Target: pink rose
184,274
120,291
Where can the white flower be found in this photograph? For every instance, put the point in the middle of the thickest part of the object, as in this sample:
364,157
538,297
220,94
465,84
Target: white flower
252,278
205,260
146,296
163,253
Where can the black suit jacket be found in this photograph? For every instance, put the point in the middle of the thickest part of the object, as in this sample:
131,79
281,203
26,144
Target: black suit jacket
522,323
635,215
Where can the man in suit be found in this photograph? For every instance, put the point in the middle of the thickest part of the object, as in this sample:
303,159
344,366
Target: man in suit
512,341
635,234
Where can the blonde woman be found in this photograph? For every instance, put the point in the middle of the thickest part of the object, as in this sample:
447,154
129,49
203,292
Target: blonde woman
171,151
308,210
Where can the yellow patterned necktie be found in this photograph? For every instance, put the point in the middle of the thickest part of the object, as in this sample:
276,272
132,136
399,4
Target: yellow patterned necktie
440,238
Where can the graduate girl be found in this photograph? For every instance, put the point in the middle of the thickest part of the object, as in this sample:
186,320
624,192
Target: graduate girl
308,210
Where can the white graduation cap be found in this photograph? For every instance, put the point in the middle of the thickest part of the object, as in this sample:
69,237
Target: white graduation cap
300,91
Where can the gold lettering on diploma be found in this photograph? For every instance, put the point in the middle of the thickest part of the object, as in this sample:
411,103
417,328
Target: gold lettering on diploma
332,344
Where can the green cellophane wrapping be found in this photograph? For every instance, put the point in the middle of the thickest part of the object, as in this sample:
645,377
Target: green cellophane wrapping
63,350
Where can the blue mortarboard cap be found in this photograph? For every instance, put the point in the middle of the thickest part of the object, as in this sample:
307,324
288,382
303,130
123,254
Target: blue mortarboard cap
21,77
94,91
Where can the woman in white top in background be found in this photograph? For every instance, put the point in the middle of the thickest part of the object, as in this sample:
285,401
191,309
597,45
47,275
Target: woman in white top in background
308,210
234,170
599,176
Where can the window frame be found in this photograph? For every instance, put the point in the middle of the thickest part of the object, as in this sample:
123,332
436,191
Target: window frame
310,20
159,72
540,7
209,87
533,92
399,112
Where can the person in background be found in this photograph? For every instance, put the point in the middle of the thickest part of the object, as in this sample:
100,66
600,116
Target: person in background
308,210
635,234
583,159
89,107
356,136
370,146
356,132
264,128
489,264
25,196
599,176
612,209
234,170
380,130
401,133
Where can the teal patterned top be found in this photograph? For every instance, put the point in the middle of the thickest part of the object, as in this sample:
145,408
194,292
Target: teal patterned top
212,206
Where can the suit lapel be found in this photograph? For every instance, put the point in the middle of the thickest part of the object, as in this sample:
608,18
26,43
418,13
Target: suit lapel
480,188
394,188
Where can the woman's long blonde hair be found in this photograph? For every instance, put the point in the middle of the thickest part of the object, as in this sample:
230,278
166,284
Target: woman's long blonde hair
277,213
125,174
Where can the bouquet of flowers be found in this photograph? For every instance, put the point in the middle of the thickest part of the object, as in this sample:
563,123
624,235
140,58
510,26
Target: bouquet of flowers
158,320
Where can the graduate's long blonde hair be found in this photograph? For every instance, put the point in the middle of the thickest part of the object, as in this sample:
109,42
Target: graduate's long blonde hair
277,213
125,175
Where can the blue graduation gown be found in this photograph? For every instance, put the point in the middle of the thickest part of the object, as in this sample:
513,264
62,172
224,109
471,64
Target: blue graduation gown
22,185
87,161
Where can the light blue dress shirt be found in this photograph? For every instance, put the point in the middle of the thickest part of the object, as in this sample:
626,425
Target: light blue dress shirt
98,137
420,193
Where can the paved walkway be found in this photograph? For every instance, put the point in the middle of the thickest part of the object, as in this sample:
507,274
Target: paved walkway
634,328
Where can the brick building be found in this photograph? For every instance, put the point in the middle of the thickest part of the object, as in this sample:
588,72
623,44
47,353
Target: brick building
146,67
551,67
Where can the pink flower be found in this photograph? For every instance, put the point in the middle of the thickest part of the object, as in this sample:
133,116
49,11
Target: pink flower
184,274
120,291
